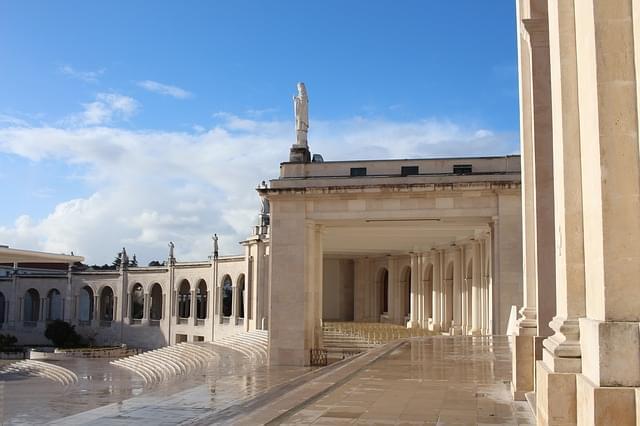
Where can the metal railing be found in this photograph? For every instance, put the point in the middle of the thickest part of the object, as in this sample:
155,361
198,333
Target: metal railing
318,357
199,321
182,320
135,321
154,323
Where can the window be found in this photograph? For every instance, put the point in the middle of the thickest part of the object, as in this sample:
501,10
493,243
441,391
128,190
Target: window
358,171
462,169
409,170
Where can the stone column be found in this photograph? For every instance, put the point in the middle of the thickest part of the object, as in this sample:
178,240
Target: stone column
413,291
96,309
457,292
392,312
436,293
193,305
608,102
538,220
487,274
556,375
475,290
464,290
146,306
360,299
292,326
317,280
420,293
67,312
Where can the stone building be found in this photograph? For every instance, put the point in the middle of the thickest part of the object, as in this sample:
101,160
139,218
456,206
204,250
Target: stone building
429,243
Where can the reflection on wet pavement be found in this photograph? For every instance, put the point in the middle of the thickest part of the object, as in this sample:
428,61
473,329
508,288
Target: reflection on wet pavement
439,380
106,394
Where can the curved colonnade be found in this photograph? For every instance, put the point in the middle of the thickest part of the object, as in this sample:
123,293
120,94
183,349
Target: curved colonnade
45,370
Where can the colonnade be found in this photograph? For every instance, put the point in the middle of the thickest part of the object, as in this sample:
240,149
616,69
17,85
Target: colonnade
577,341
447,289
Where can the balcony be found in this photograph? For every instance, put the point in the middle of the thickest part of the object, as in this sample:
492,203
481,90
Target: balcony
200,322
184,321
105,323
135,321
30,324
154,323
84,323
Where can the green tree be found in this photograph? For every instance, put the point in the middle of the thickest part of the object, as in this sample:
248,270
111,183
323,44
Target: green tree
63,334
117,261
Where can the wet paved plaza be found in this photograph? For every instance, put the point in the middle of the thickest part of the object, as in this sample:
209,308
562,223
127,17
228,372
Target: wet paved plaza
439,380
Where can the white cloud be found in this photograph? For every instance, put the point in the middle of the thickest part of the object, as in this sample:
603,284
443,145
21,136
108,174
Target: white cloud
151,187
86,76
164,89
12,121
104,110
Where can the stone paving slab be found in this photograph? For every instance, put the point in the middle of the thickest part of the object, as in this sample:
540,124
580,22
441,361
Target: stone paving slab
437,381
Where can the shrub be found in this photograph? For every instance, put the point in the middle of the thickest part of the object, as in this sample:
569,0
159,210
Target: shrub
63,334
7,341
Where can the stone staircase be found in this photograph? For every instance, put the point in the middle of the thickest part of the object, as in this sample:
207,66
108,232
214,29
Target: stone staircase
164,364
46,370
252,344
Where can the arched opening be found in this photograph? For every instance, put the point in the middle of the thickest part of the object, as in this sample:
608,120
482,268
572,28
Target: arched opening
106,304
201,300
54,305
184,300
383,286
405,284
2,308
448,296
86,309
155,313
31,306
428,291
240,290
227,296
137,302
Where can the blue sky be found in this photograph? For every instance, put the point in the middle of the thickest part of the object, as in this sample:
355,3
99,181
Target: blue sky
99,100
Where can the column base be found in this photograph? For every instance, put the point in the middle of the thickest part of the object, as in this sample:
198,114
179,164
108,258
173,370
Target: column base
523,364
604,405
555,397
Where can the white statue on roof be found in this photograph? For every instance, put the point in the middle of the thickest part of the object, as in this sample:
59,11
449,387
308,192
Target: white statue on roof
301,108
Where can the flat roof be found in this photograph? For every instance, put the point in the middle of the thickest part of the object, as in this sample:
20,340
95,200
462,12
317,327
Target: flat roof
8,254
487,157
